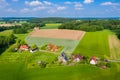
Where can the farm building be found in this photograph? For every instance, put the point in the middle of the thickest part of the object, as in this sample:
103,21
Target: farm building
77,58
49,46
93,60
55,48
62,58
24,47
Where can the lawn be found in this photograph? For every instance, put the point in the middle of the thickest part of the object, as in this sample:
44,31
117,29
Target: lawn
8,32
79,72
94,44
5,33
69,45
51,26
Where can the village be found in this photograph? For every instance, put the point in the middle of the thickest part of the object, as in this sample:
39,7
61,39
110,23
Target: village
62,57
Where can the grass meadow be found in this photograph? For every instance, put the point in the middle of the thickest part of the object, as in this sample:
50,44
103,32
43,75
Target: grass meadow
79,72
5,33
51,26
94,44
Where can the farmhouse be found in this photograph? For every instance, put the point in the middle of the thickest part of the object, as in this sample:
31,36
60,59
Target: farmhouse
24,47
62,58
93,60
36,28
77,58
55,48
49,46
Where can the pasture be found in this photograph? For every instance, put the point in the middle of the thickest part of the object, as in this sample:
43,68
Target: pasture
51,26
6,32
94,44
14,71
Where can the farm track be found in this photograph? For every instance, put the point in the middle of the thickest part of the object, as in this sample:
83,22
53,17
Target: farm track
114,45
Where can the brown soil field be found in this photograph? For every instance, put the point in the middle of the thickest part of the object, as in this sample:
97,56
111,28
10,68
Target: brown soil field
58,33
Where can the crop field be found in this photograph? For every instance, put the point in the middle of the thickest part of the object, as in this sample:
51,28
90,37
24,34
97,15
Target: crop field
69,45
51,26
114,44
94,44
58,34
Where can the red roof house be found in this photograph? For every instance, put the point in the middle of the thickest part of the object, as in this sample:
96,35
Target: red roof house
77,58
24,47
49,46
55,48
93,60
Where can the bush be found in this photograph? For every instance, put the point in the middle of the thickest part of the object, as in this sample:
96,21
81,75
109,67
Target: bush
42,65
12,49
19,30
108,65
118,36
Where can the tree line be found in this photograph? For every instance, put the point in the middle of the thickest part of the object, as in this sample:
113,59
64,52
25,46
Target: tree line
26,26
50,20
93,25
5,41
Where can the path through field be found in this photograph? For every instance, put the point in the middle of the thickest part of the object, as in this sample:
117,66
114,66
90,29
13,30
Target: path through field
114,45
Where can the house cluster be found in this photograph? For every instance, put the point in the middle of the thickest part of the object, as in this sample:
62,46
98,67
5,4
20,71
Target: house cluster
52,47
25,47
76,58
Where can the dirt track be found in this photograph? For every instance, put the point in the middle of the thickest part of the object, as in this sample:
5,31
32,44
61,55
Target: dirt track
58,33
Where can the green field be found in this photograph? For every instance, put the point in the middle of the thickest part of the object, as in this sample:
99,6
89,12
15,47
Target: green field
2,22
5,33
15,65
78,72
94,44
51,26
69,45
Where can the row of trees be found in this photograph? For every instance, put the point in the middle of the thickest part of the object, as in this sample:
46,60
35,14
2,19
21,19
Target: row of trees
81,25
50,20
5,41
26,26
92,25
8,28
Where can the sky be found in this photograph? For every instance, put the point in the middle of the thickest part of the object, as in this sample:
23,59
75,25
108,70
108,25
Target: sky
59,8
